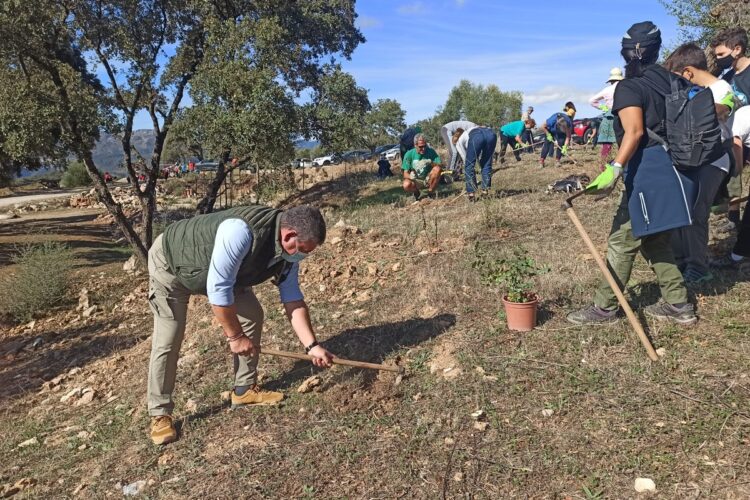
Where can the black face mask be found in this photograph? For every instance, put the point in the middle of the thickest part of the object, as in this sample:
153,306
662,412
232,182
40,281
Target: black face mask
725,62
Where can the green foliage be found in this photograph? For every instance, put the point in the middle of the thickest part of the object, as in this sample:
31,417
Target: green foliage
514,274
701,20
337,115
76,175
40,280
383,123
487,106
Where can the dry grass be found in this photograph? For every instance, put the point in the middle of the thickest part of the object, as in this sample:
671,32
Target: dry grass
616,416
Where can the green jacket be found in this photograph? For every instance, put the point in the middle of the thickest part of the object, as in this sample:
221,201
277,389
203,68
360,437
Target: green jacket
188,245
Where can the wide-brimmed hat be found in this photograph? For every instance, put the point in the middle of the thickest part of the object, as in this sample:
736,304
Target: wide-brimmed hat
615,75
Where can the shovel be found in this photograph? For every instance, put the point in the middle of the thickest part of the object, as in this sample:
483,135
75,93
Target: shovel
632,318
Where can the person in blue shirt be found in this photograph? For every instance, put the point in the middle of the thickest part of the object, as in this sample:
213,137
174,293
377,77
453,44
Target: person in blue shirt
511,134
558,129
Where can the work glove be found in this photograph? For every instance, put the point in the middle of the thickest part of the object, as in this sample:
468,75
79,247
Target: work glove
565,150
604,108
549,137
605,182
518,145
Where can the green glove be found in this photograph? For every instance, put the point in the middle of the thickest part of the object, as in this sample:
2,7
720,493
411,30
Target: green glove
549,137
604,108
565,150
605,181
518,146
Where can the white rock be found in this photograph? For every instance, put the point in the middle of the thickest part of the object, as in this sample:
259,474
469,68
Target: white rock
547,412
309,384
661,352
87,397
89,311
191,405
644,484
477,415
134,489
130,264
75,370
75,393
481,426
29,442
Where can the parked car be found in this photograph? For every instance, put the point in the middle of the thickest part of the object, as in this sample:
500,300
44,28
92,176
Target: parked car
382,149
393,154
584,128
206,166
324,161
356,155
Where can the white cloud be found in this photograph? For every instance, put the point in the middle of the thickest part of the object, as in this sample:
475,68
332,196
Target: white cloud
558,93
412,8
369,22
460,3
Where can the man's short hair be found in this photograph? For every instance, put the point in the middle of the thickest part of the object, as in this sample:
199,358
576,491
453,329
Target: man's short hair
419,137
531,122
686,55
731,38
307,222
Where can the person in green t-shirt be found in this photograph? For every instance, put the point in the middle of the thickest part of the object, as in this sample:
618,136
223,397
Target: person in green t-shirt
422,162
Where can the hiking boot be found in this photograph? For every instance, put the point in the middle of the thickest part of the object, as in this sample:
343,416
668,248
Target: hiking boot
472,198
256,396
486,193
727,262
416,194
683,315
162,430
693,276
592,315
541,163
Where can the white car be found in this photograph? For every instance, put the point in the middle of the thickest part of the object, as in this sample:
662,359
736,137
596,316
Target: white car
392,154
324,161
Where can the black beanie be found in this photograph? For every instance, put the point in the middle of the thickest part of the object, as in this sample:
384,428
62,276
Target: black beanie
645,34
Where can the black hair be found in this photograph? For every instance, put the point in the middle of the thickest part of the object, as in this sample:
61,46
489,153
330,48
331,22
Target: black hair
686,55
570,105
307,221
731,38
635,65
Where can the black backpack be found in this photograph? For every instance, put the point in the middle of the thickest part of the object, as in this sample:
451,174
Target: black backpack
693,132
406,141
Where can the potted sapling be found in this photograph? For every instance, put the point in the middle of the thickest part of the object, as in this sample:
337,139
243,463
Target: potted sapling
514,276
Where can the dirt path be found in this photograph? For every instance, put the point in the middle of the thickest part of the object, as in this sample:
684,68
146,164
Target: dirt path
91,240
29,198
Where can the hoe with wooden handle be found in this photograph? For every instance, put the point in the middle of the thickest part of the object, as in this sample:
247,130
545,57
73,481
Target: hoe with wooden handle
568,207
336,361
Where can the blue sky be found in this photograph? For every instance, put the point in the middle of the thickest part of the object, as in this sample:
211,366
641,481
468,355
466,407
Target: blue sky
551,51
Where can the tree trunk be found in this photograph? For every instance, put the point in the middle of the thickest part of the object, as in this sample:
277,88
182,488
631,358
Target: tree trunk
206,205
115,209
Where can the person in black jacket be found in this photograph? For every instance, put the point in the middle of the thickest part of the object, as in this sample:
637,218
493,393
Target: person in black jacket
654,200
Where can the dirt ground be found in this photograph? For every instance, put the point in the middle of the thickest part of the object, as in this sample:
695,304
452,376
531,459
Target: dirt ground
560,412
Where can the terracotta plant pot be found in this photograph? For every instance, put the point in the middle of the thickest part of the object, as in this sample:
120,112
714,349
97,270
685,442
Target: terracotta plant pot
521,316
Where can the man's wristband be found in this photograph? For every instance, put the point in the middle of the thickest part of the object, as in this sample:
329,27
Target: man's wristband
310,347
236,337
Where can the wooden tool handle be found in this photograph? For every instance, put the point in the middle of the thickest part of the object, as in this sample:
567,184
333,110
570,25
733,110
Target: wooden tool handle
613,284
336,361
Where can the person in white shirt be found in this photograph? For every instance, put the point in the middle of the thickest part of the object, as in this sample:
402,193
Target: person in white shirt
602,101
476,145
690,243
446,133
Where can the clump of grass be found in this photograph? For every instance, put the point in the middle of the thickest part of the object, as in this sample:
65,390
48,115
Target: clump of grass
41,278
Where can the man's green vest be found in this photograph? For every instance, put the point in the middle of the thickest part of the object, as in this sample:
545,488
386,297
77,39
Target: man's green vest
188,245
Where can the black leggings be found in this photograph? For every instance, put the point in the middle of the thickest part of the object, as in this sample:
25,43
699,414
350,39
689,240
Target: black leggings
549,147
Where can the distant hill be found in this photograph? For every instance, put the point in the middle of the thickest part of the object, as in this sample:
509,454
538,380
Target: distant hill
108,154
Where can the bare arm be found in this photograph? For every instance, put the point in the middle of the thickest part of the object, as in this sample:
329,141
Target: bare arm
739,160
227,317
299,316
722,112
632,122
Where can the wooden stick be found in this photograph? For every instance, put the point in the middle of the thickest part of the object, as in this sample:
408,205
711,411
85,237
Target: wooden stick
737,201
610,280
336,361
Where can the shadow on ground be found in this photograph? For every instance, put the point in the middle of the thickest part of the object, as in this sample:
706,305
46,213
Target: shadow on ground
372,344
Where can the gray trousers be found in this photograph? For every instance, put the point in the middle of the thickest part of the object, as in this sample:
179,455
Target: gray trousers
690,243
168,300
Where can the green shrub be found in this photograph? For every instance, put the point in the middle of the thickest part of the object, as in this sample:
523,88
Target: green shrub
75,176
40,280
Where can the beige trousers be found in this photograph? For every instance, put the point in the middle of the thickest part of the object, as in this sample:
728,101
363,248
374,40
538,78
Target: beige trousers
168,300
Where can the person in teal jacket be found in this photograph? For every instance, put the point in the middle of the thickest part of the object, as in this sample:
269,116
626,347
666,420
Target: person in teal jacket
511,135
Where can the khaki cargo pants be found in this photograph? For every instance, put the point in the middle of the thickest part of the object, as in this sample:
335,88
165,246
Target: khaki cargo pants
168,300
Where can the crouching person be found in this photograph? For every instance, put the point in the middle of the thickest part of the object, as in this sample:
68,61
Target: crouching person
223,255
421,163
